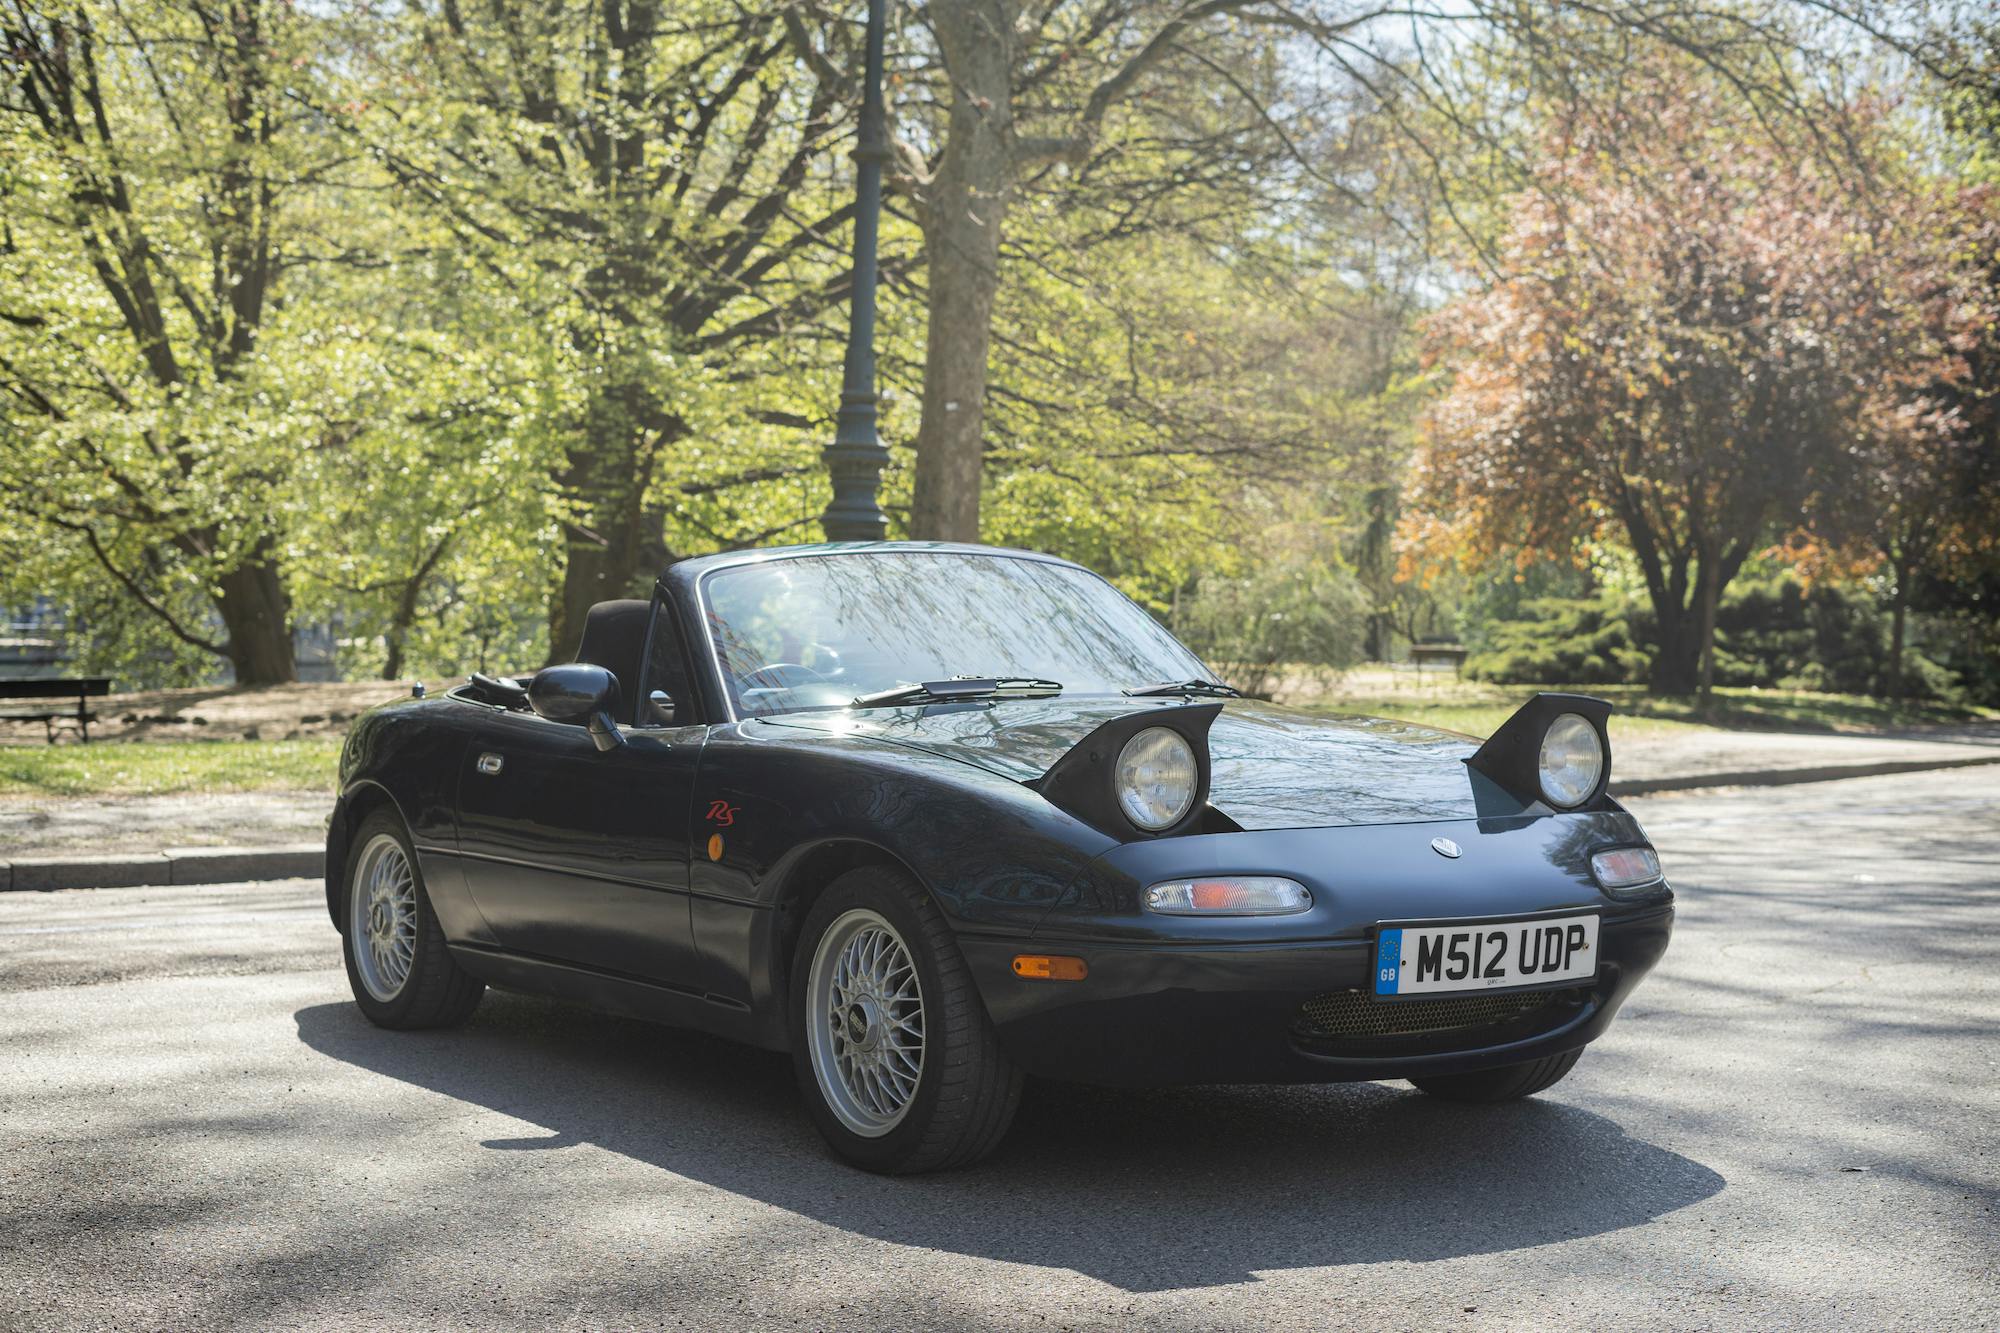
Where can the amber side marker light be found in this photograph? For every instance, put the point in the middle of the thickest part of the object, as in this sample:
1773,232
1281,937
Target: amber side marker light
1050,967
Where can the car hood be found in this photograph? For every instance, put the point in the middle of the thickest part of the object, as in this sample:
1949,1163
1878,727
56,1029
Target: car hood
1273,767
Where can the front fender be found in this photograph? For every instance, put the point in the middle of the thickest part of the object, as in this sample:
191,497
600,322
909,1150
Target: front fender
996,855
779,811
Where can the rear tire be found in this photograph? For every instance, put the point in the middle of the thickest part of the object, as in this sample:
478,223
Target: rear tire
1505,1084
894,1053
402,974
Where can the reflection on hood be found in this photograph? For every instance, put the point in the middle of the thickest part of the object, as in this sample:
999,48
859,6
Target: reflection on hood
1273,767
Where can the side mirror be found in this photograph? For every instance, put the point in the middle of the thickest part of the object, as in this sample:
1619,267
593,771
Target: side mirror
577,692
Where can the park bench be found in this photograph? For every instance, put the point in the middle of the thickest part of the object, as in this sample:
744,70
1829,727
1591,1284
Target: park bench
1438,654
28,701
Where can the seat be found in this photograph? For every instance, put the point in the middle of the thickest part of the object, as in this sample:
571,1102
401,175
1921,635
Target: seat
614,637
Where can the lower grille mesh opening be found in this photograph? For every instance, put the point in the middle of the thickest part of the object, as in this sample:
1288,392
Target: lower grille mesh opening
1347,1015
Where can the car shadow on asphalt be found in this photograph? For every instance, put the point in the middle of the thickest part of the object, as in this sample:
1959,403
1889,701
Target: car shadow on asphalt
1146,1190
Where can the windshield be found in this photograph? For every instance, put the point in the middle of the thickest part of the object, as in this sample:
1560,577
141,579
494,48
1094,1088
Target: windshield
818,631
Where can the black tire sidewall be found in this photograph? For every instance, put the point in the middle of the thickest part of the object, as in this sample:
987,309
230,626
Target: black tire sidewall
883,892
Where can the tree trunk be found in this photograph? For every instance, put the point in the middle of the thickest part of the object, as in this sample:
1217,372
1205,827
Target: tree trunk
1899,609
1685,663
964,209
605,560
1707,596
1676,670
398,634
405,617
594,572
257,613
610,554
1676,666
392,663
609,542
1375,644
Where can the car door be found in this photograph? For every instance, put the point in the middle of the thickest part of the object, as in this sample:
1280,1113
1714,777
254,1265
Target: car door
581,855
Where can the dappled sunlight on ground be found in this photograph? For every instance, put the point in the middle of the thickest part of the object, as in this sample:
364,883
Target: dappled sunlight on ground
1802,1089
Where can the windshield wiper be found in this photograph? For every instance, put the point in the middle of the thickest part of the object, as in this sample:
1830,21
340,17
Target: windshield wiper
965,687
1213,688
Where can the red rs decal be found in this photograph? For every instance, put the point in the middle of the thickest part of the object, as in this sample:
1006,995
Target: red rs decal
721,812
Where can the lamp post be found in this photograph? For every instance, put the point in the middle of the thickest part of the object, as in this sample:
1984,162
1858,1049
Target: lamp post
856,456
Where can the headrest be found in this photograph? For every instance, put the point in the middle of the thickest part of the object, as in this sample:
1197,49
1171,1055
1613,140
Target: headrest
614,637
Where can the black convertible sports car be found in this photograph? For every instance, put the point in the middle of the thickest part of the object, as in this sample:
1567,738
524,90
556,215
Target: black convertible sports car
932,818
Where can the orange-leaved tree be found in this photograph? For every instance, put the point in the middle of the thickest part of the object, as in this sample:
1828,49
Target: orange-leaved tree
1701,335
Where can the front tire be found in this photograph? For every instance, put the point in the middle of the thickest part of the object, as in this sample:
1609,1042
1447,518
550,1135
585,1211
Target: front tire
402,974
891,1044
1505,1084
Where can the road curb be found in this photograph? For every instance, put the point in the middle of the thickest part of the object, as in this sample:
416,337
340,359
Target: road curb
1784,777
172,867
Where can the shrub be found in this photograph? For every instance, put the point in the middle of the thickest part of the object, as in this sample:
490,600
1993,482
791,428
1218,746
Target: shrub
1562,641
1770,633
1290,613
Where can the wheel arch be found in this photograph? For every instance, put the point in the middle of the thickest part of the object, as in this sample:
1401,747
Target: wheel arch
361,799
805,875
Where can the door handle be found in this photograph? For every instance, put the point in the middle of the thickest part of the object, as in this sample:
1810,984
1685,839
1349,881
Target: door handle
490,763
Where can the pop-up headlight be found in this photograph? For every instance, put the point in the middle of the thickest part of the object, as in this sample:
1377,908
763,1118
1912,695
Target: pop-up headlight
1554,750
1156,777
1572,760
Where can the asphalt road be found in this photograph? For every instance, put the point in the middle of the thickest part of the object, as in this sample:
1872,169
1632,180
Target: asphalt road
1795,1123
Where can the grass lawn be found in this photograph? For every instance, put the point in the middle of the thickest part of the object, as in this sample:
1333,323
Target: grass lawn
1478,709
155,768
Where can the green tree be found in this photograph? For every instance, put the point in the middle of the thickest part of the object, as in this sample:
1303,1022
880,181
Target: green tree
653,186
435,513
159,189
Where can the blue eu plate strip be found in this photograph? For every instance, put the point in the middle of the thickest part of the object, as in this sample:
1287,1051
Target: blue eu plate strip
1388,961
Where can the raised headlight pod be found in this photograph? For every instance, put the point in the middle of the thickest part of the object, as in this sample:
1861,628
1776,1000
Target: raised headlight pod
1156,777
1142,774
1572,760
1229,895
1554,751
1626,868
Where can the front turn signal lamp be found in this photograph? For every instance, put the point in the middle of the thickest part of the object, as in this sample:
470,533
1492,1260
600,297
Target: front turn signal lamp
1229,895
1624,868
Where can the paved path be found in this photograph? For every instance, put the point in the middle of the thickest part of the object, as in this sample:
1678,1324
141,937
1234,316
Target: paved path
1701,752
1792,1125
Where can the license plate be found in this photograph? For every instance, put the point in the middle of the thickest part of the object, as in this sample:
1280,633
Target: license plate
1484,955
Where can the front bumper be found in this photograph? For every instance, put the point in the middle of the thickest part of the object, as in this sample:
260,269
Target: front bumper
1185,1000
1237,1013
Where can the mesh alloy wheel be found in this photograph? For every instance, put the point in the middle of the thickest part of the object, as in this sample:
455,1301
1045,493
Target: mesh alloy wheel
382,918
892,1047
865,1022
